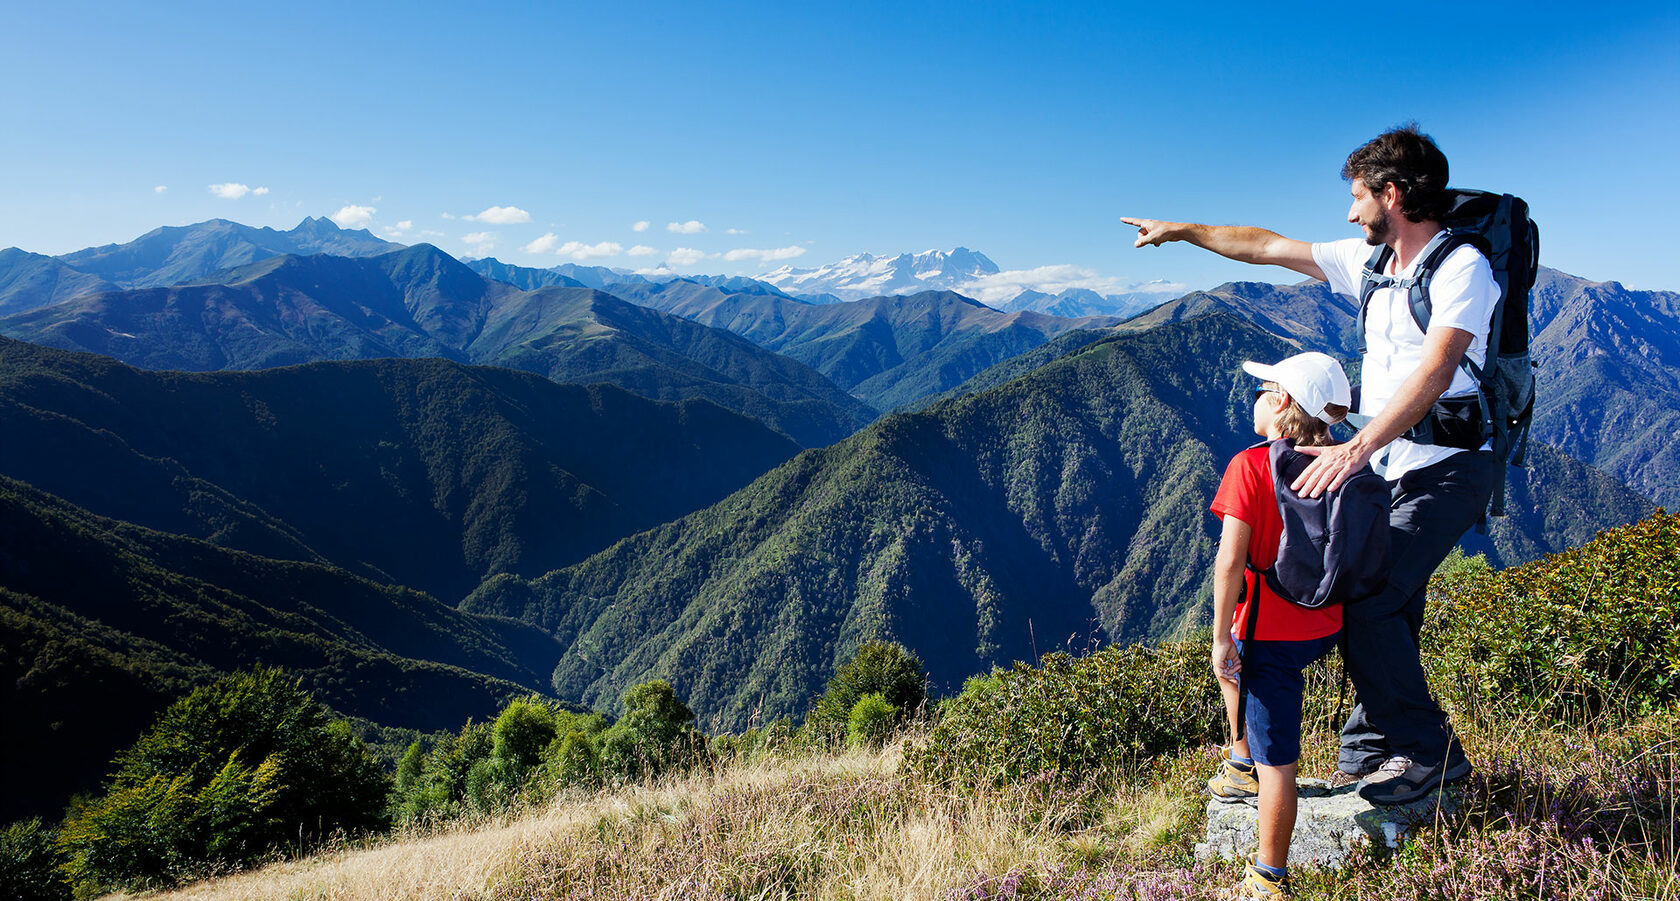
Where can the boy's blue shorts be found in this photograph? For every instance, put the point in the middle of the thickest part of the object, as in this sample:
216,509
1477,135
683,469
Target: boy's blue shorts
1273,673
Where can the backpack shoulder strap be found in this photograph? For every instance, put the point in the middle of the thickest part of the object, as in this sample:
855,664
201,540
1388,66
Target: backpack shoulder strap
1369,281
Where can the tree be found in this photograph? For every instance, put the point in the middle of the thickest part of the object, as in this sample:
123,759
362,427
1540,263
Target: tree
879,667
228,774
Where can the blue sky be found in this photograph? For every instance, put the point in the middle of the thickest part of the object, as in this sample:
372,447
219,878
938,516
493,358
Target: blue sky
801,134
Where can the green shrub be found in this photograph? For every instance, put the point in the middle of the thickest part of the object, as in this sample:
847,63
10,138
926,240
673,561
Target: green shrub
522,732
30,864
1584,633
230,773
656,735
575,760
871,722
1073,718
879,667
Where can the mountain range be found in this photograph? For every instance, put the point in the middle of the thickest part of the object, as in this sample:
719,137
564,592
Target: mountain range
176,254
887,351
421,302
605,470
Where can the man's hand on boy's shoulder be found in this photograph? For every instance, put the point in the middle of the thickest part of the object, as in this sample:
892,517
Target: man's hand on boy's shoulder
1226,663
1330,467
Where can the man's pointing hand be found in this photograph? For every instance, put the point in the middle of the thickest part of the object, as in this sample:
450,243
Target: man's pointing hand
1153,232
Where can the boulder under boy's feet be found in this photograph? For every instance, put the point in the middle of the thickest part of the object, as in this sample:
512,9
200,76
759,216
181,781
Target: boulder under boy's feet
1234,781
1401,781
1257,883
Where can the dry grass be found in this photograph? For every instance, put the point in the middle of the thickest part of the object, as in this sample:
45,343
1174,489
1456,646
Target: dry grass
821,827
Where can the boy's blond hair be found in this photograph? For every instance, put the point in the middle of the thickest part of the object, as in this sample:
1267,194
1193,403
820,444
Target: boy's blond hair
1307,430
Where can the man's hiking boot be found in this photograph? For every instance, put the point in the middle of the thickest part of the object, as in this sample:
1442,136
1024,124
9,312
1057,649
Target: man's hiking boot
1258,883
1234,781
1400,781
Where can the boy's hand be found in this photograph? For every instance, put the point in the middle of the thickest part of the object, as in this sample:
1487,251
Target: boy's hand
1226,663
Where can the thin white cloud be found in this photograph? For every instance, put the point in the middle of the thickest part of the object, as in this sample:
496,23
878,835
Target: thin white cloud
685,256
160,189
543,244
432,233
736,231
481,243
1002,287
641,250
234,190
691,227
501,215
578,250
405,225
767,256
401,229
641,226
447,215
352,216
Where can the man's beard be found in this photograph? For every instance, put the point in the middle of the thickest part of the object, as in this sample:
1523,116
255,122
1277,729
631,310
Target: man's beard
1378,232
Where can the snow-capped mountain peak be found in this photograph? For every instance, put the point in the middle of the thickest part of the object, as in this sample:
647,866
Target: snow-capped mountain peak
868,275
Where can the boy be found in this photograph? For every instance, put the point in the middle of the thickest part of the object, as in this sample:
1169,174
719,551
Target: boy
1299,399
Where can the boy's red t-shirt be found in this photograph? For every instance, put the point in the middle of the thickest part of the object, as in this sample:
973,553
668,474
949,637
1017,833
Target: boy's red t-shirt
1246,493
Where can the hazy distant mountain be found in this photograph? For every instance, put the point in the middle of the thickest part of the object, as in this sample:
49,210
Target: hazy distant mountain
420,472
1073,303
176,254
30,280
889,351
602,278
420,302
1068,501
867,275
523,277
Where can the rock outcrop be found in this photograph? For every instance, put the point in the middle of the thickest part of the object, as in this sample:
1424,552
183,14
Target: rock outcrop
1328,824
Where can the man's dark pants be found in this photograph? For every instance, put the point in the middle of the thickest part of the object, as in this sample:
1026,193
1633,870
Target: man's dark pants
1396,716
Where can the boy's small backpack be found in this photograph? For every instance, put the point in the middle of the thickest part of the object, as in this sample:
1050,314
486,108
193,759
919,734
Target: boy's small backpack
1501,413
1335,547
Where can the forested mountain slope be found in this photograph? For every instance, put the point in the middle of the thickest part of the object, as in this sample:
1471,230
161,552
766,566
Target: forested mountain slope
1068,503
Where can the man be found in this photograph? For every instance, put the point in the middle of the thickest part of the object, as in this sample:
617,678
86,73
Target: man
1397,743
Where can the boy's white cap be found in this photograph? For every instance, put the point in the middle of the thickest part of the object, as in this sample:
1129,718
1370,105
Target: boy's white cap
1312,379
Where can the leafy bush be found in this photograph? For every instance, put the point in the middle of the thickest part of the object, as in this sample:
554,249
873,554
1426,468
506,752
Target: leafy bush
230,773
1590,631
880,668
871,722
656,735
29,864
1072,718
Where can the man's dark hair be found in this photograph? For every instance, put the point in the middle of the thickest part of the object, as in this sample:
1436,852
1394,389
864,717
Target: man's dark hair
1408,158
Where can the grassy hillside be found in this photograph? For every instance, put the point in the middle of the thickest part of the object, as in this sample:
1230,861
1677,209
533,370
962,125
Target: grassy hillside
1566,802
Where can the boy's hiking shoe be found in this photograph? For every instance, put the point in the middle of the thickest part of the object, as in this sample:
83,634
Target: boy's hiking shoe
1257,883
1400,781
1234,781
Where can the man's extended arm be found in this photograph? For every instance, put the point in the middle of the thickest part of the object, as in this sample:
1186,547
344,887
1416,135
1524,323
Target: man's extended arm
1443,348
1242,243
